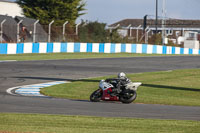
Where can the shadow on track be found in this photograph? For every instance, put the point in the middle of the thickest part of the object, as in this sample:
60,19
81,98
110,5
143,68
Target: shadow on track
171,87
58,79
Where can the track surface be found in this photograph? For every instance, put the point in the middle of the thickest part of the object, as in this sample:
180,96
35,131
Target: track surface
31,72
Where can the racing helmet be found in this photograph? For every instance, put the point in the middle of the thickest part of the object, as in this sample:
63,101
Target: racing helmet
121,75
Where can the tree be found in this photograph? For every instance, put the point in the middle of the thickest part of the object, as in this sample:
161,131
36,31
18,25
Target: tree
57,10
93,32
97,32
115,37
156,39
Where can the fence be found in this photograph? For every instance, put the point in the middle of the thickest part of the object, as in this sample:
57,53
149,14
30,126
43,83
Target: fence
71,47
44,33
11,32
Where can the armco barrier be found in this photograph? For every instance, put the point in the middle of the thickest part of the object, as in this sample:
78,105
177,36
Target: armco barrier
21,48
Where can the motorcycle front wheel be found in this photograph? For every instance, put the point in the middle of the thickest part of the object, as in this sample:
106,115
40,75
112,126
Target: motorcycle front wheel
128,96
96,96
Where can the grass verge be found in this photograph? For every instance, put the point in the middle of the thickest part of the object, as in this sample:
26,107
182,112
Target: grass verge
56,56
38,123
179,87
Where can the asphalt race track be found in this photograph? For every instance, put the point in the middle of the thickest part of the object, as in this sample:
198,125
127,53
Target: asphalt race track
14,74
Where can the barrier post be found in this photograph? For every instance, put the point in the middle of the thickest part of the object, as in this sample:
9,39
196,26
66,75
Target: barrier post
137,32
18,30
147,35
64,30
129,28
34,30
2,29
49,35
77,28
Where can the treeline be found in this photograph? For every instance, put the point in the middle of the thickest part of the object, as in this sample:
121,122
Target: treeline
97,32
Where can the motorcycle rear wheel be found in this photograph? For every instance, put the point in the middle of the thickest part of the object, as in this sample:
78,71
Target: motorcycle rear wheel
128,97
96,96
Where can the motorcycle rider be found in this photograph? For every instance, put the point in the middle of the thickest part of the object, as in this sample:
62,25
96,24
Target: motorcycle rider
123,79
120,82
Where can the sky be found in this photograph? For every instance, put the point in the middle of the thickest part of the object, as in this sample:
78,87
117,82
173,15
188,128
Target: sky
111,11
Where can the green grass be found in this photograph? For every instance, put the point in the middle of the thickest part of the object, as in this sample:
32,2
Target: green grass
179,87
56,56
38,123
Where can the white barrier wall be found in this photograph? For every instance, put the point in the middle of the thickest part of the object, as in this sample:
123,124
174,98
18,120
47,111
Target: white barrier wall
71,47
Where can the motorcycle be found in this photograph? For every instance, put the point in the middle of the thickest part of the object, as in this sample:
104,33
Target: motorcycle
114,91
